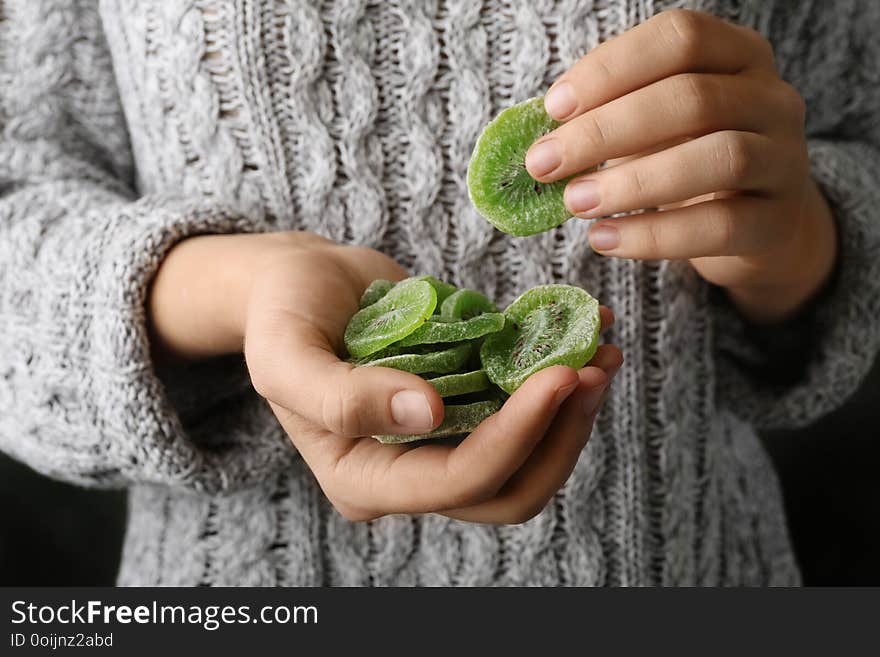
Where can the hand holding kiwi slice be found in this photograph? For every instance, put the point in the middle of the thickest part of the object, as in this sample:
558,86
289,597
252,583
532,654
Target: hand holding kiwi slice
500,187
472,354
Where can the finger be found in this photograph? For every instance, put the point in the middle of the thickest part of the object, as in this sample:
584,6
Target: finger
433,477
550,464
606,318
672,42
607,358
300,371
727,160
739,225
686,105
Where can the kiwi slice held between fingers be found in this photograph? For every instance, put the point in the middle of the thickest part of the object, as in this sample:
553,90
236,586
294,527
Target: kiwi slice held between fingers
397,314
500,188
548,325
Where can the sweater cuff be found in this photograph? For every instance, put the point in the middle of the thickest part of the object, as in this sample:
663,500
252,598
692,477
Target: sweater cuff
838,337
167,427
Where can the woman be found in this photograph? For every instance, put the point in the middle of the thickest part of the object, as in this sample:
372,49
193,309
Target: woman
187,182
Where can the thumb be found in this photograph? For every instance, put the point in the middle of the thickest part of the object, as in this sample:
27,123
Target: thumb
297,368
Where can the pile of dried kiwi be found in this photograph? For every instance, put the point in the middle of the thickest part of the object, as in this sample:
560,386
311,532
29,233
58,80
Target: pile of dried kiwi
470,352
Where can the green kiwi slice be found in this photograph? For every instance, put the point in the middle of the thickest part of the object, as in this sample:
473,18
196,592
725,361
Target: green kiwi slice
457,419
440,362
455,331
548,325
375,291
500,188
465,383
442,288
400,312
465,304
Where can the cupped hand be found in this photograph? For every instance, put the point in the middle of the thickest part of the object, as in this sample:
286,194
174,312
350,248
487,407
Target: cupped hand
693,119
504,472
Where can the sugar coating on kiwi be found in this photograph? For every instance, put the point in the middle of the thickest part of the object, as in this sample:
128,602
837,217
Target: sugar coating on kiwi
500,187
454,331
439,362
458,419
397,314
464,383
548,325
464,304
375,291
442,288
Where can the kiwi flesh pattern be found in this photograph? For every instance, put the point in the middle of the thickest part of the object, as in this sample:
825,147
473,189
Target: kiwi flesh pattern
454,331
457,419
500,187
397,314
548,325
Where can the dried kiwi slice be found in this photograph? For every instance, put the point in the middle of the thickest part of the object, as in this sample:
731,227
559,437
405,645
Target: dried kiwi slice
455,331
465,304
457,419
442,289
500,188
465,383
400,312
441,362
548,325
375,291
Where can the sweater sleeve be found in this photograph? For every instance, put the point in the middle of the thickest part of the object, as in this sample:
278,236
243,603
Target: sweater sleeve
830,53
80,398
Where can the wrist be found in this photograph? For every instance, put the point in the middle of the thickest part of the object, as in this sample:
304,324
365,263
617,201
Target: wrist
198,302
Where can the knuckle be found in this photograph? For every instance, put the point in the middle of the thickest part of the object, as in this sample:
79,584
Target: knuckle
341,411
637,185
596,131
793,102
263,386
761,45
735,157
653,238
699,96
724,227
684,29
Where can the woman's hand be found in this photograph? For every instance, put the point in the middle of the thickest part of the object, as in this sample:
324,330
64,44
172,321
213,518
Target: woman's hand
288,297
691,117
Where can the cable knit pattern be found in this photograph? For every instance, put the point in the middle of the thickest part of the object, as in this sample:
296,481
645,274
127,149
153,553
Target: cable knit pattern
131,125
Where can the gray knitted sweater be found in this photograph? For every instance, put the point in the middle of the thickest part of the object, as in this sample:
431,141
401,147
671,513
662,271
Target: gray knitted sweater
129,125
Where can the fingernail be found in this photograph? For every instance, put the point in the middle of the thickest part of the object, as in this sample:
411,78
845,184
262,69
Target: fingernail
563,393
593,399
411,409
581,196
560,101
543,158
604,237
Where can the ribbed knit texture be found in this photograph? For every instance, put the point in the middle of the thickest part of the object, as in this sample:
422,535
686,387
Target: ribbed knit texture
132,124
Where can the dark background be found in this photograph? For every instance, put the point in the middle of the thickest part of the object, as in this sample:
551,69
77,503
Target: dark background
54,534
